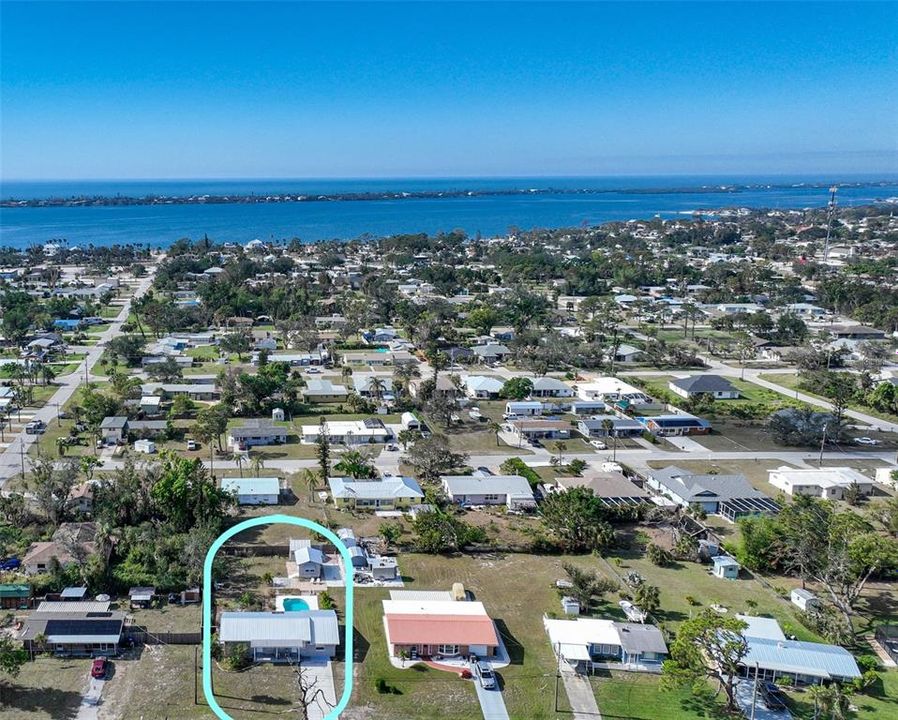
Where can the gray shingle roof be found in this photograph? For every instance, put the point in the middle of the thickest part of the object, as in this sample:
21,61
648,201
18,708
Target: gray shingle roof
704,384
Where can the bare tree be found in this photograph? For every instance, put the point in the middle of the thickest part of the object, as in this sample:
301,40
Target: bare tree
310,695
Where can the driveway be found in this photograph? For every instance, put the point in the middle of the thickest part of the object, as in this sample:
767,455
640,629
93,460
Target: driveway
319,676
492,704
580,695
745,692
90,702
685,444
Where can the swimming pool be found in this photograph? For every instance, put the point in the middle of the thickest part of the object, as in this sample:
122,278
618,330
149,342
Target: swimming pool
295,604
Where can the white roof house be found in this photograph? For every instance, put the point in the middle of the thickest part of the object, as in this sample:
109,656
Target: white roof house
610,389
253,491
483,489
480,386
282,635
828,483
607,643
388,491
350,432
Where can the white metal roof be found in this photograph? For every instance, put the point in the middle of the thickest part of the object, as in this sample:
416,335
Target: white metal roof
252,486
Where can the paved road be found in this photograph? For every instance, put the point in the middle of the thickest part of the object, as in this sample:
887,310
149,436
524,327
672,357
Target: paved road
11,457
580,696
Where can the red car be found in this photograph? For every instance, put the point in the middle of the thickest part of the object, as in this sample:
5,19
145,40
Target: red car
99,668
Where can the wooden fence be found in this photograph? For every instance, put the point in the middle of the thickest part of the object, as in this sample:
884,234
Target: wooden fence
144,636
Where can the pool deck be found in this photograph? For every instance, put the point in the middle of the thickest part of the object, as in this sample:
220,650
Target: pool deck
310,600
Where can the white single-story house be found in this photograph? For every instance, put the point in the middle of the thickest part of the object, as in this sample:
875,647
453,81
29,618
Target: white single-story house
612,390
281,636
253,491
550,387
717,387
594,427
491,352
392,491
322,391
483,388
591,643
350,432
257,431
513,491
523,407
731,496
537,428
588,407
827,483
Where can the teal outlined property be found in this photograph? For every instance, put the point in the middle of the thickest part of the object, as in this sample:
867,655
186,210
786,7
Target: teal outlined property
207,605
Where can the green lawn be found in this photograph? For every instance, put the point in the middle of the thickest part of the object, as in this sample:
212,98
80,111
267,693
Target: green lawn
638,696
880,702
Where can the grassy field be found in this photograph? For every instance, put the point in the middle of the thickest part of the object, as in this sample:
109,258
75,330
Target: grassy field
46,689
790,382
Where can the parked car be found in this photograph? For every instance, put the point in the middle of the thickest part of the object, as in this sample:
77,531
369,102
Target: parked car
192,444
35,427
485,470
10,563
485,675
773,696
392,447
99,668
312,371
866,441
598,444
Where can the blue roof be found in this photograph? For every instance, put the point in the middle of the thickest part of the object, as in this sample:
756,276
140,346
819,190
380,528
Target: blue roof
802,658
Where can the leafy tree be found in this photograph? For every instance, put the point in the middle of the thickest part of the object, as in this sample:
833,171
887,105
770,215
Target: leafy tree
587,586
439,532
709,645
578,519
185,496
211,423
659,556
390,532
516,466
483,319
239,343
127,348
12,656
800,427
167,371
51,482
431,457
516,388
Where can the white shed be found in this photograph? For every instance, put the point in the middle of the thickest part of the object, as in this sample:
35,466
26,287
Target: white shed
726,567
570,605
148,447
804,599
277,415
410,422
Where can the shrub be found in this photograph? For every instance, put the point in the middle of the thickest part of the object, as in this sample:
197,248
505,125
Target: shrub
692,601
659,556
326,602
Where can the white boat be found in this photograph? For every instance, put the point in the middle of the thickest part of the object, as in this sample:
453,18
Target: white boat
632,612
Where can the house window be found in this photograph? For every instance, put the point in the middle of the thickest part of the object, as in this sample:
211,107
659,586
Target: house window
448,649
491,497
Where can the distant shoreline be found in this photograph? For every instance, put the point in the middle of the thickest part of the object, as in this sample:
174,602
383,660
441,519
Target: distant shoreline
108,200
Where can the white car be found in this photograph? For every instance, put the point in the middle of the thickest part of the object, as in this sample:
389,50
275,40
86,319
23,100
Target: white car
598,444
866,441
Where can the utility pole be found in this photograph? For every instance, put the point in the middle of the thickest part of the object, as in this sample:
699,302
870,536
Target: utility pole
822,443
754,695
829,224
22,455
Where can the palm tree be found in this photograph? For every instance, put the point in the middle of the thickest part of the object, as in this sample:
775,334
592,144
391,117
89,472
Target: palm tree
495,428
608,427
354,464
239,458
560,448
310,478
376,388
257,463
48,374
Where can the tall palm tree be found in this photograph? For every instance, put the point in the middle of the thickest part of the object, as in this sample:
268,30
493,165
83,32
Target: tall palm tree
495,428
239,459
608,427
376,388
257,463
310,479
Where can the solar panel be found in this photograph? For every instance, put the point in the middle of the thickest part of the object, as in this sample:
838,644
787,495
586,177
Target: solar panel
83,627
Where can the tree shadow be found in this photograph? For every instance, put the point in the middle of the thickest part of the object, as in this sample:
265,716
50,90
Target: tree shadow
55,703
269,700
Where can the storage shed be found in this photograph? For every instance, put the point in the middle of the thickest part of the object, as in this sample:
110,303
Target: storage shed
804,599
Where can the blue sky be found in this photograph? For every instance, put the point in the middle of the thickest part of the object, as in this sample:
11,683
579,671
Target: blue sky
179,90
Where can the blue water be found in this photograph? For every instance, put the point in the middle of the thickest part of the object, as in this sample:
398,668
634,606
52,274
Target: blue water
160,225
295,605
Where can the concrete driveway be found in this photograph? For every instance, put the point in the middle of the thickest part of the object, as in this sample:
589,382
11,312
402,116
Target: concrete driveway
744,694
492,704
319,676
90,702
